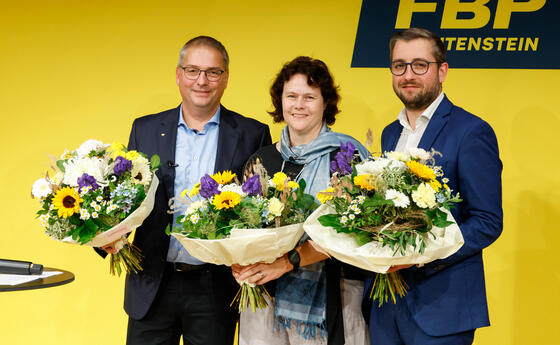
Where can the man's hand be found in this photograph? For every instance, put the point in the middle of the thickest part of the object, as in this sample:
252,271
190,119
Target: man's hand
111,248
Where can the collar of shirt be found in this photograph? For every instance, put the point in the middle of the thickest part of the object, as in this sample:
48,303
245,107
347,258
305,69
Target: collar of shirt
424,117
214,120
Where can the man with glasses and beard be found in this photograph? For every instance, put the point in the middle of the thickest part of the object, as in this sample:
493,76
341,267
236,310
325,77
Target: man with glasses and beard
446,299
175,294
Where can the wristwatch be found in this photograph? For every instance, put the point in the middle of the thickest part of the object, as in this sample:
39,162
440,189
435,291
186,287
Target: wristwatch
294,259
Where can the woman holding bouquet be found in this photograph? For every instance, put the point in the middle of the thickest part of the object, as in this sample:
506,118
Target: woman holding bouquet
309,306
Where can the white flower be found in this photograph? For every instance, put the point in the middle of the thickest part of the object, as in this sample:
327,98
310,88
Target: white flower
44,220
275,207
420,154
194,218
351,217
94,215
445,180
41,188
140,172
377,166
84,214
232,187
88,146
424,196
399,156
399,199
343,219
99,198
360,199
76,167
194,207
85,190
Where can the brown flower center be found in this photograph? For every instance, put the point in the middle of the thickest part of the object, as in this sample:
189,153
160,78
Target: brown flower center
68,201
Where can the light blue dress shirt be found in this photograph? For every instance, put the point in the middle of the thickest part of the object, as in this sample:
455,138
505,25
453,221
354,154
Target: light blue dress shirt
195,155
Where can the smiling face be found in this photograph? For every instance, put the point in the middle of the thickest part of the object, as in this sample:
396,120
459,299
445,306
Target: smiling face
417,92
302,108
201,95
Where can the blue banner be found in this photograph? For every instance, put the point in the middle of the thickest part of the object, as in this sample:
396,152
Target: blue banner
476,33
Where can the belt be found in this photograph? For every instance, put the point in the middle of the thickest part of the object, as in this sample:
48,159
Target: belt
183,267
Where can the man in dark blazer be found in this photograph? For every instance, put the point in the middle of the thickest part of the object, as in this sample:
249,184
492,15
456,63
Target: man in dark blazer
446,299
175,294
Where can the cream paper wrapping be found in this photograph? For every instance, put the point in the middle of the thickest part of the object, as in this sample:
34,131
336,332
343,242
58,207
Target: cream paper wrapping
244,246
372,256
128,224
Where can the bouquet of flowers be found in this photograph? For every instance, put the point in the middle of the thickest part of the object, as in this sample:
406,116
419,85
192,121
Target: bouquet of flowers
391,210
97,195
231,223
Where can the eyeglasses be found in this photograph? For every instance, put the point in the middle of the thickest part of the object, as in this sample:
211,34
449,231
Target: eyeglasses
213,74
418,67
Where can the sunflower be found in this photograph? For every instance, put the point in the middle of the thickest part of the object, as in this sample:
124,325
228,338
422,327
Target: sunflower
365,181
67,201
226,199
421,170
224,177
435,185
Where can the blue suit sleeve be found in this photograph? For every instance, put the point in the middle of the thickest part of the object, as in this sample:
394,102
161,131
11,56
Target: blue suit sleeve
479,182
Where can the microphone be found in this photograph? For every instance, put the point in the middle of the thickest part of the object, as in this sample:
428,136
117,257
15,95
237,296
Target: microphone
20,267
172,164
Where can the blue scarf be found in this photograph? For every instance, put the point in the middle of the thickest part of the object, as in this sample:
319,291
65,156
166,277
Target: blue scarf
301,296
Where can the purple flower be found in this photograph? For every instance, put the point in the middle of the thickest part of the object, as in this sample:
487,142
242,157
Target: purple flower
87,181
252,186
121,165
342,162
208,187
347,150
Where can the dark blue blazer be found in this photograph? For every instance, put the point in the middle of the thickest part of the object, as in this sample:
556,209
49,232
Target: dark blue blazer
448,296
239,137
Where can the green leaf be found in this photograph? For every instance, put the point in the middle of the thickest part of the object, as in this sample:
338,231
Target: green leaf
155,162
331,220
363,237
60,165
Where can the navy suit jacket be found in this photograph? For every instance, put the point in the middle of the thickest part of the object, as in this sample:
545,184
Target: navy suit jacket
238,138
448,296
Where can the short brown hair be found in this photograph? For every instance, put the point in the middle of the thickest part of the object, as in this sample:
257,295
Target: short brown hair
318,75
438,48
206,41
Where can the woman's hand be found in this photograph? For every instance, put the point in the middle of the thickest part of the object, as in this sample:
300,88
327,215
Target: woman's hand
262,273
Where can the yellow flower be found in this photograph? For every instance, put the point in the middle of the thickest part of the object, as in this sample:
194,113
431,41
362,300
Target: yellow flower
421,170
278,179
275,207
184,193
224,177
132,155
226,200
323,197
445,186
116,149
195,189
435,185
365,181
293,185
67,201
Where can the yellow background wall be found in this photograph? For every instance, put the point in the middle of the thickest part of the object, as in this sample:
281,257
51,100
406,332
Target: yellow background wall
70,71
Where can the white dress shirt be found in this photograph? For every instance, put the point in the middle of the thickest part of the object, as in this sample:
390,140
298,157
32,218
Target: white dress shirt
410,138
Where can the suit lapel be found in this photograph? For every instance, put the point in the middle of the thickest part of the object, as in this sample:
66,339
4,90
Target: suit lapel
167,137
227,141
393,137
436,124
